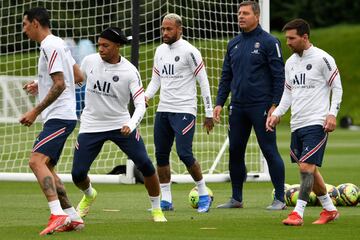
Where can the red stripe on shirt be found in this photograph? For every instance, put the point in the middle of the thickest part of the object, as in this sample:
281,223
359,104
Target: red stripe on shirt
287,86
140,91
333,76
52,60
197,70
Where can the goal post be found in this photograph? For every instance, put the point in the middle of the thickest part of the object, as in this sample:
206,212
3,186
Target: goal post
208,25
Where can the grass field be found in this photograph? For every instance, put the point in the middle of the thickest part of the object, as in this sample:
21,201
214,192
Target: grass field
120,210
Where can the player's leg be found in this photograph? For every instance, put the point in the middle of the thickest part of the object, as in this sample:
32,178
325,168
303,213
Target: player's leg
163,140
87,147
134,147
329,212
268,146
239,133
184,127
47,149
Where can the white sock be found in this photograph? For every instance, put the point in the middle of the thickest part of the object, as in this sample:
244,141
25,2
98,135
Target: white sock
155,202
89,191
166,192
300,207
326,202
55,208
74,216
202,190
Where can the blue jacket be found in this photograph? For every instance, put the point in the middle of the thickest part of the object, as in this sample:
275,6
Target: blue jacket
253,70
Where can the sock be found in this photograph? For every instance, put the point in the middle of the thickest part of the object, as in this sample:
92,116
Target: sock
155,202
201,186
74,216
89,191
55,208
326,202
300,207
166,192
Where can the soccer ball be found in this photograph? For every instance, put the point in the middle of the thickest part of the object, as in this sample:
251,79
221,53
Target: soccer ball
194,197
312,199
291,195
286,187
348,194
333,193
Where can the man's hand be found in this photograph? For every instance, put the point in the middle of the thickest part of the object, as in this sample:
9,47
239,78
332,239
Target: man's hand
330,123
31,88
271,110
208,124
217,113
125,130
271,122
28,118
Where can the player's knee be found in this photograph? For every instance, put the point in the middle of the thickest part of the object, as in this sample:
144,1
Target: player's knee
78,175
188,160
146,168
162,159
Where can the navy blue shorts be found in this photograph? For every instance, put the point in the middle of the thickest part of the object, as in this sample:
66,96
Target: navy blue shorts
308,145
51,140
89,145
168,126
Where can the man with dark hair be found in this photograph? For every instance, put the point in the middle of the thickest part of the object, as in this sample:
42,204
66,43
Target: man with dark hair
253,71
56,69
110,80
311,76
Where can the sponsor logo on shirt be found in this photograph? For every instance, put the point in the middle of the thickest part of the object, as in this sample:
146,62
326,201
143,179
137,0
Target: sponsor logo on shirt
115,78
168,69
194,59
327,64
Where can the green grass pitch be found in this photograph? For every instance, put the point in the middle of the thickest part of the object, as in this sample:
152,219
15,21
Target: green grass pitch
120,211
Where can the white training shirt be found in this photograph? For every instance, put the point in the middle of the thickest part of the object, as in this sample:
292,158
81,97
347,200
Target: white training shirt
309,81
55,56
176,68
108,88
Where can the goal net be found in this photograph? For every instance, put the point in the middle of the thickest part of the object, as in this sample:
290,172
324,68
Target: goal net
208,25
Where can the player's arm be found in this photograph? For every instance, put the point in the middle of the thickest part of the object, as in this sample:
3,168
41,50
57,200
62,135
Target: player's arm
274,117
79,77
197,65
137,92
331,73
155,83
55,91
276,65
224,86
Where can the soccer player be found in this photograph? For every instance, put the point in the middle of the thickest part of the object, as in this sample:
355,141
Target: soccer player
111,79
311,75
177,66
253,71
57,108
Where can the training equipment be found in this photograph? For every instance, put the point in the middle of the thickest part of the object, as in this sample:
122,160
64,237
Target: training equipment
291,195
348,194
55,222
194,197
293,219
206,29
312,199
84,205
327,216
333,193
286,187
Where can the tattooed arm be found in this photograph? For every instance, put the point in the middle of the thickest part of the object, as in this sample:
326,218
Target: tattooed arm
55,91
